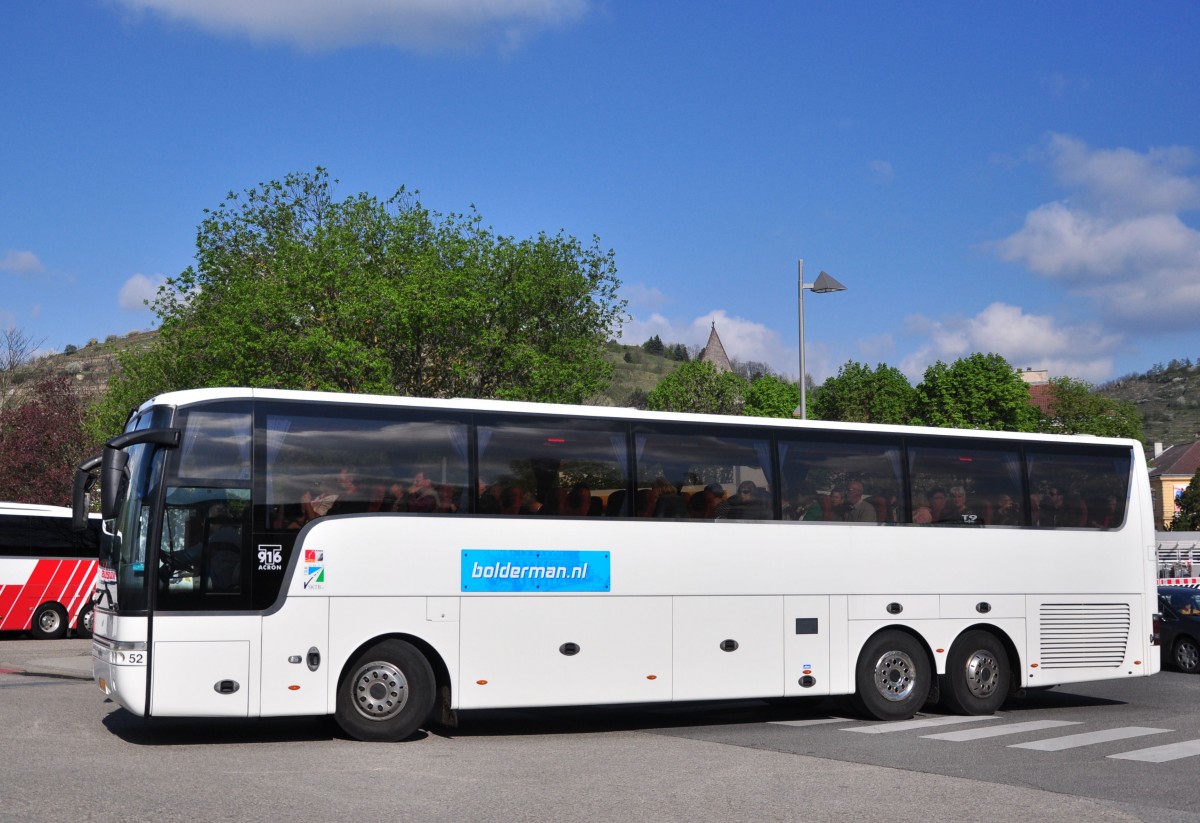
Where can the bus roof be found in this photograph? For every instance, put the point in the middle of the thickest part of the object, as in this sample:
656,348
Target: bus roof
190,397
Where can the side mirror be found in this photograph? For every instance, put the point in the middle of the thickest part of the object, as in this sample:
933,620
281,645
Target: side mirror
81,498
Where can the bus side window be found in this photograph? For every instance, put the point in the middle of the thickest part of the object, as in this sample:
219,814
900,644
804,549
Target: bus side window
703,473
548,465
840,479
1073,487
967,484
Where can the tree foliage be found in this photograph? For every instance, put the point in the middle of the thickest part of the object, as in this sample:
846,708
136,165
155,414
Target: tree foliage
1075,408
771,396
42,440
293,288
856,394
981,391
697,386
1187,519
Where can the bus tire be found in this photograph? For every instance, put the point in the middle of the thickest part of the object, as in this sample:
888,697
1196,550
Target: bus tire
386,693
83,623
892,678
49,622
977,674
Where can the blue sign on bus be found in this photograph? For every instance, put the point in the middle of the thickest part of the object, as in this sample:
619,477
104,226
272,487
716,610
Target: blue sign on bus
519,570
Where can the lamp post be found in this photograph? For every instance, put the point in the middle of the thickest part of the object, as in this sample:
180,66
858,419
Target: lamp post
823,285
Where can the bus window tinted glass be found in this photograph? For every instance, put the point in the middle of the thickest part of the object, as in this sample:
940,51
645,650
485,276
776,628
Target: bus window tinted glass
204,545
216,444
357,460
838,480
703,474
1078,488
551,465
964,483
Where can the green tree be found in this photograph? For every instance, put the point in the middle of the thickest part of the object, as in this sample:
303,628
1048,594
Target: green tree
654,346
981,391
697,386
1074,408
770,396
1187,519
293,288
856,394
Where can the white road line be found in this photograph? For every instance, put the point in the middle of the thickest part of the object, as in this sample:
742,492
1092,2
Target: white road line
998,731
818,722
1161,754
923,723
1071,741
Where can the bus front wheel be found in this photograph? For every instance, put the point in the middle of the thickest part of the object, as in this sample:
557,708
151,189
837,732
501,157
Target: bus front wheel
892,678
49,622
977,674
386,693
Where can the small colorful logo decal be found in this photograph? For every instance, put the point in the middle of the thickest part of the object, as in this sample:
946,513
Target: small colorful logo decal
517,570
314,577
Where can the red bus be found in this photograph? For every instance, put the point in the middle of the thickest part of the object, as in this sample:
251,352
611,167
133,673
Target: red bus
47,571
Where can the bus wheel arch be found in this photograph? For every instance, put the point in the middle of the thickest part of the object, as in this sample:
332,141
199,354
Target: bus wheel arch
388,688
981,671
49,621
893,675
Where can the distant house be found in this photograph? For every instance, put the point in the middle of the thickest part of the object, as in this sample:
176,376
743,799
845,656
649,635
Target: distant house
1038,381
1170,473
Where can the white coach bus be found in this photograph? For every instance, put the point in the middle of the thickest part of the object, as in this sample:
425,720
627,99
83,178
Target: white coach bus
390,560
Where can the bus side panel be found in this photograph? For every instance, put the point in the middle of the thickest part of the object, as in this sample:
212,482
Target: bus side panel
209,677
551,650
296,659
1078,638
727,647
807,631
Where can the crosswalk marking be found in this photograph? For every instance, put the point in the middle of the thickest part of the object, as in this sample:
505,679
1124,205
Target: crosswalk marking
921,723
997,731
817,722
1161,754
1071,741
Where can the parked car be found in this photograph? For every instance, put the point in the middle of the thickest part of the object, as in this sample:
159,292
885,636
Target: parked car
1180,638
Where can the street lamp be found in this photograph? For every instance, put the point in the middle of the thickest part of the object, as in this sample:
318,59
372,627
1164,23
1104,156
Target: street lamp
823,285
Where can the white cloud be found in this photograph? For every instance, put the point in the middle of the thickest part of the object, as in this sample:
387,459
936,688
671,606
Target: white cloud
137,290
881,171
1024,340
640,295
414,25
1120,240
21,262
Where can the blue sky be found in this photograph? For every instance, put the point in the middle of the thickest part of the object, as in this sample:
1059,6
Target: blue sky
1018,177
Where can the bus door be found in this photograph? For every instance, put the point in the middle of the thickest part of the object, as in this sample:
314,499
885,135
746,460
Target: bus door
204,635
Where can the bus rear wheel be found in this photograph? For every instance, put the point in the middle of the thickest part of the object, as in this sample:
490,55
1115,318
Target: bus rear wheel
386,693
977,674
892,678
49,622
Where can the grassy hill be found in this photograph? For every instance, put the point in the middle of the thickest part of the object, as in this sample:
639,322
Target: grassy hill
1168,398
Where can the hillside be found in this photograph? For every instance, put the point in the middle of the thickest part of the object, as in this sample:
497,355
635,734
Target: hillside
1168,398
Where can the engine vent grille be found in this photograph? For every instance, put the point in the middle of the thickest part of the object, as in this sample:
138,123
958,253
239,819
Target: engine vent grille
1083,635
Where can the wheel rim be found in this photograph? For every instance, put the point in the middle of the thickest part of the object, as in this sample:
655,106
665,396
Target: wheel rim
380,690
48,621
982,673
89,617
895,676
1187,656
